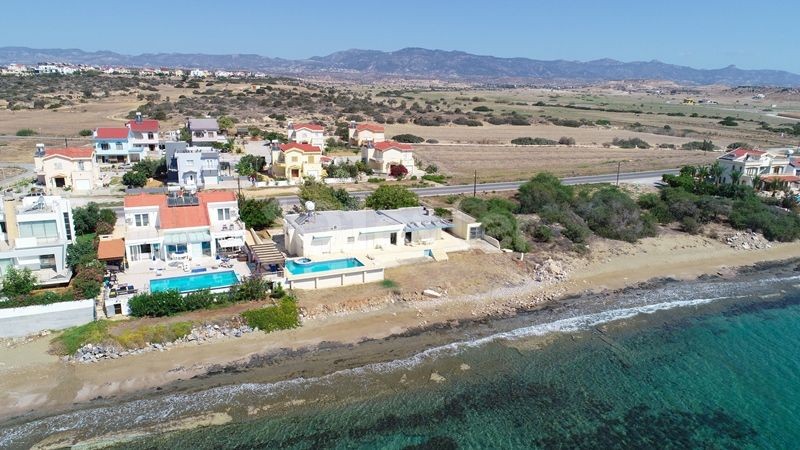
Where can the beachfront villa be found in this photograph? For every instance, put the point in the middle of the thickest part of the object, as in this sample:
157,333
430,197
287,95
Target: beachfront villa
365,133
381,156
66,168
204,132
296,161
112,145
181,226
775,164
306,133
34,233
144,133
191,167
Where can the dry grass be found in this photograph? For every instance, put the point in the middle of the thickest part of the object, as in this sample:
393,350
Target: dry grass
499,163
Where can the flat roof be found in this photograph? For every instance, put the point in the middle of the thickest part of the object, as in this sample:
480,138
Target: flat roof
413,218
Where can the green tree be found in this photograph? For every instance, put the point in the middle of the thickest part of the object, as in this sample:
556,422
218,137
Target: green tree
85,218
408,138
225,123
18,282
81,252
258,213
542,190
134,179
326,198
391,197
185,136
85,133
89,279
274,136
249,165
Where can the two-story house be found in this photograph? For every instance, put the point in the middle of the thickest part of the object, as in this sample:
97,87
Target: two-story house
34,233
204,132
381,156
295,162
364,133
306,133
66,168
144,134
182,225
192,167
751,163
113,145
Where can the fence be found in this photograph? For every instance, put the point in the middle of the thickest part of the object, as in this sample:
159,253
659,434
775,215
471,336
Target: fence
27,320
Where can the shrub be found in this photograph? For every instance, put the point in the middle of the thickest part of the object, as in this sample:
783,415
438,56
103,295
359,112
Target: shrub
542,233
612,214
398,171
44,298
258,213
408,138
729,122
542,190
391,197
71,339
482,109
388,284
89,279
704,145
252,288
566,140
283,316
468,122
85,133
139,337
432,168
603,122
630,143
532,141
436,178
18,282
690,225
134,179
735,145
442,212
26,132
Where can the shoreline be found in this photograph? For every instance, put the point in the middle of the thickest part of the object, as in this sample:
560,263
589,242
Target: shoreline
35,384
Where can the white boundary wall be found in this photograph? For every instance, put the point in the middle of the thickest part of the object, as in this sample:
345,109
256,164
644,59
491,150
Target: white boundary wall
27,320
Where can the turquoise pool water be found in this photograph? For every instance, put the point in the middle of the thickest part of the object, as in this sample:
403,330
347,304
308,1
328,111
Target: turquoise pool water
210,280
296,268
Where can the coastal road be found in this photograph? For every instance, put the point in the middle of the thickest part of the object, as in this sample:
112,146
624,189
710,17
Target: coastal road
649,177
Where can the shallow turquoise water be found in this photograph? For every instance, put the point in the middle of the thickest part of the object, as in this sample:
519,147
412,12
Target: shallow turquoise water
321,266
209,280
727,378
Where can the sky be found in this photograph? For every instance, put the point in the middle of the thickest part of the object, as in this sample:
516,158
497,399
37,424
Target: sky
700,33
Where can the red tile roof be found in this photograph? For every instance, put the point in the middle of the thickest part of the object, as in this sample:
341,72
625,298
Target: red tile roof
386,145
145,126
305,148
112,133
375,128
110,249
71,153
308,126
180,216
741,152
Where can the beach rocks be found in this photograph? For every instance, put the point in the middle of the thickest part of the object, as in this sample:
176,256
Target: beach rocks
91,353
746,240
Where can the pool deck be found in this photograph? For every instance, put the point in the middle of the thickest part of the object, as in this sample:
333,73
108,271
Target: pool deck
140,273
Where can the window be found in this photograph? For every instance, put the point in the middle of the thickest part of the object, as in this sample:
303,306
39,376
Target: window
311,159
81,165
150,136
142,220
58,165
189,163
38,229
351,239
223,214
119,146
294,159
67,226
105,146
47,262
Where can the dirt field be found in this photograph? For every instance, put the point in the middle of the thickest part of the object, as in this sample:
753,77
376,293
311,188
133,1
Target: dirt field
498,163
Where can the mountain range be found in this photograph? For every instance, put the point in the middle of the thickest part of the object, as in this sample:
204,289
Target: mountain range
418,63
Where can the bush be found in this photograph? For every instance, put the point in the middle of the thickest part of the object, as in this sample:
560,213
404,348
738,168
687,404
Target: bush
391,197
89,280
482,109
442,212
435,178
85,133
532,141
542,233
283,316
468,122
497,216
612,214
543,190
71,339
258,213
704,145
729,122
44,298
18,282
432,168
566,140
167,303
154,334
88,219
388,284
26,132
690,225
735,145
630,143
398,171
408,138
134,179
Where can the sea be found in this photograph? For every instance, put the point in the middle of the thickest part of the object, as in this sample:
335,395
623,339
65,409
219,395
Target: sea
713,364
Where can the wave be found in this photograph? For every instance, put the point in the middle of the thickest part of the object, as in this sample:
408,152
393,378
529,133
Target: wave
149,412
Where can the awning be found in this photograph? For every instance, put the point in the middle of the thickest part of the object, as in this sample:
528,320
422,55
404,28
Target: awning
373,233
187,238
230,243
267,253
111,250
427,225
321,238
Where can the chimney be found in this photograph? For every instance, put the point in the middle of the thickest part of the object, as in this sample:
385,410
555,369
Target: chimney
39,150
290,125
352,124
138,117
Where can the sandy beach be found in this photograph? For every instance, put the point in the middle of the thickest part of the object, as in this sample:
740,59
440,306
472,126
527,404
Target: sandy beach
34,383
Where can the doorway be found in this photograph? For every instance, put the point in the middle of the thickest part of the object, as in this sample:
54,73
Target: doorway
60,182
393,238
408,236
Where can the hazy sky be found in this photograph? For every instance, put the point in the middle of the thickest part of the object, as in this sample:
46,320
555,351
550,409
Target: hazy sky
698,33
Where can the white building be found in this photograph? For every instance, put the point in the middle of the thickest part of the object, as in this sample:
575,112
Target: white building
751,163
306,133
144,134
66,168
204,132
365,133
181,225
381,156
192,167
113,145
34,233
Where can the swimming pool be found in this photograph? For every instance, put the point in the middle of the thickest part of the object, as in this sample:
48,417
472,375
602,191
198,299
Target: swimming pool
297,268
188,283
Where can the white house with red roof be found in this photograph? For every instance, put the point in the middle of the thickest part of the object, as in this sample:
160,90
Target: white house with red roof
364,133
66,168
306,133
295,162
182,225
753,162
381,156
113,145
144,133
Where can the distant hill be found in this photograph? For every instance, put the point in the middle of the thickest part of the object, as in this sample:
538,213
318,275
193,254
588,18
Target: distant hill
418,63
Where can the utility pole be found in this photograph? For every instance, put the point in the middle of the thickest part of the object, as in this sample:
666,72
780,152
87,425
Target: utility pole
619,165
65,143
475,185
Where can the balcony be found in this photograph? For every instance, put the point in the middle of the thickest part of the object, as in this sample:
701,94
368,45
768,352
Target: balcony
232,225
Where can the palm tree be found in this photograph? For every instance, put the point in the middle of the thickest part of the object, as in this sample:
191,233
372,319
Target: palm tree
736,177
716,172
757,182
